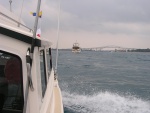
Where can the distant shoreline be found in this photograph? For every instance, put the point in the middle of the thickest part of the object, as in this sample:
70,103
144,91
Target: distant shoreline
135,50
140,50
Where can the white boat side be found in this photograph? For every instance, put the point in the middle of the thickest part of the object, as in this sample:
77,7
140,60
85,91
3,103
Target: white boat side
16,40
76,50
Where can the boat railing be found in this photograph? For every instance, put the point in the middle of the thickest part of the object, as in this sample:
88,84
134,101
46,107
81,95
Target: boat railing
19,24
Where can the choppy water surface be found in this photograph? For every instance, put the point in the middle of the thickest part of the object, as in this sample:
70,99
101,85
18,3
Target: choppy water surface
104,82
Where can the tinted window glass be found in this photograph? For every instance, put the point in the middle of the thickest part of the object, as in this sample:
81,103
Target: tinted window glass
43,71
49,60
11,93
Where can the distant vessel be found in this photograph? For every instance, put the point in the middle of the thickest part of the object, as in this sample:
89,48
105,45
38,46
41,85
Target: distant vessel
76,48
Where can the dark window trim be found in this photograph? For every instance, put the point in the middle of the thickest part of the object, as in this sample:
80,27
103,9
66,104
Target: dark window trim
45,75
44,66
50,54
19,36
49,61
21,73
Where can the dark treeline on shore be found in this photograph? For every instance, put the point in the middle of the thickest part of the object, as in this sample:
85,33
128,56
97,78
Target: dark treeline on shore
140,50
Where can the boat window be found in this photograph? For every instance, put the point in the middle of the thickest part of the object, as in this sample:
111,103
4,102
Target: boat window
11,90
49,60
43,72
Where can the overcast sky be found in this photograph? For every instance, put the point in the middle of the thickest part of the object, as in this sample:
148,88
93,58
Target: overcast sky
92,23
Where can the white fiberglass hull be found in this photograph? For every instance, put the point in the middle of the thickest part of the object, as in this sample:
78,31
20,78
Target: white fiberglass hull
76,50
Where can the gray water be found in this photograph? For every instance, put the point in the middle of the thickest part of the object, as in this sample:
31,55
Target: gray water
104,82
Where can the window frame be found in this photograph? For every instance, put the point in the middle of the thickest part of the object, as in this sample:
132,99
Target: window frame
21,75
49,61
45,72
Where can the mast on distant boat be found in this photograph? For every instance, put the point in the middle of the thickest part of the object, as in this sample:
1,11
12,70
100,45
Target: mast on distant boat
10,1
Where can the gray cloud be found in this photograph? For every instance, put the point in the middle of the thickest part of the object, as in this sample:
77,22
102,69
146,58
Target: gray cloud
104,18
109,10
90,14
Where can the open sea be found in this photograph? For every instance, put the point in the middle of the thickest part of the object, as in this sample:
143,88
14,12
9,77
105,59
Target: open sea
104,82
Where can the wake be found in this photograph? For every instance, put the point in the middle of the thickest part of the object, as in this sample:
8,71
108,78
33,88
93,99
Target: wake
104,102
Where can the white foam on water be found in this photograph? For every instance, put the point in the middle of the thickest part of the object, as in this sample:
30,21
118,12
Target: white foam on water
105,102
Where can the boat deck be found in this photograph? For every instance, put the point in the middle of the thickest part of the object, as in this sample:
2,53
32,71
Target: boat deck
58,100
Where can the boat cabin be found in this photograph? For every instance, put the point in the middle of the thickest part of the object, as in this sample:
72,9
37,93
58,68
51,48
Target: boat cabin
76,48
25,87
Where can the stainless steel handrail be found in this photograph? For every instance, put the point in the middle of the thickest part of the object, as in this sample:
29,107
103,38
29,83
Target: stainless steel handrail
16,22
